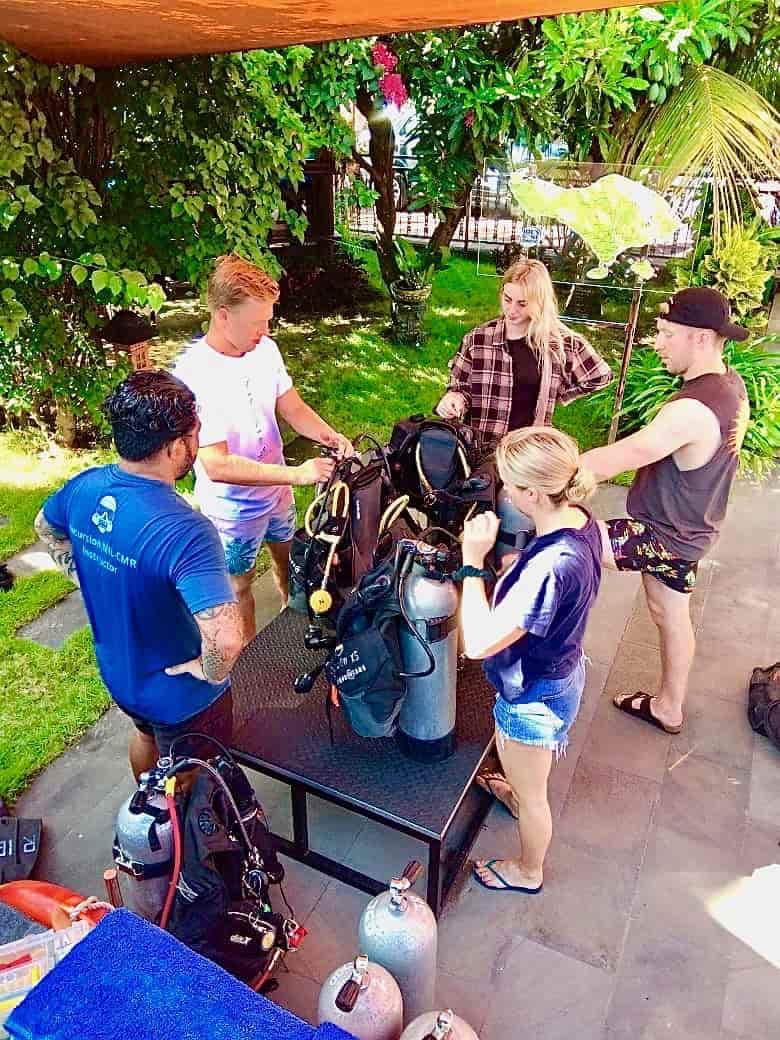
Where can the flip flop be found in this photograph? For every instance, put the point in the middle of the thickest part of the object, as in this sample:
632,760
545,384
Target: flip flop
486,781
504,886
641,710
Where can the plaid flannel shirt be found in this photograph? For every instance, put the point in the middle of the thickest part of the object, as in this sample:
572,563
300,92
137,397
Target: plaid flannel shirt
482,372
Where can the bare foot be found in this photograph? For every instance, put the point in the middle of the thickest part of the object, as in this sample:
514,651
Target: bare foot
507,874
497,785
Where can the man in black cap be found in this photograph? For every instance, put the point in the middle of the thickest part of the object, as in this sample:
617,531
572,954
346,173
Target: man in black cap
686,460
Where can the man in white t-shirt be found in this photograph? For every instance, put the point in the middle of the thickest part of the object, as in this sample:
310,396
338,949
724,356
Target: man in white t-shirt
241,385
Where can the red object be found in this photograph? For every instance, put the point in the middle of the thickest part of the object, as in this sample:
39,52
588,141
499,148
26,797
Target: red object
171,803
294,939
47,904
24,959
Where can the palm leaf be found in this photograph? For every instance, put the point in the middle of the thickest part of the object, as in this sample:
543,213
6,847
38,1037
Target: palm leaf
714,126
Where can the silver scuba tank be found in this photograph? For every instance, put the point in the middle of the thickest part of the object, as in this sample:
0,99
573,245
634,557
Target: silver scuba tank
398,931
426,725
143,843
364,999
439,1025
516,529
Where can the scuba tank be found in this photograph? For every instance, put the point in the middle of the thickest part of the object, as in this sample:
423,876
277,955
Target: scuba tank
143,843
429,603
363,999
439,1025
516,529
398,931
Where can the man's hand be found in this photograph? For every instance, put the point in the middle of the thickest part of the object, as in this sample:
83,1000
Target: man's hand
193,667
313,471
341,445
451,406
479,537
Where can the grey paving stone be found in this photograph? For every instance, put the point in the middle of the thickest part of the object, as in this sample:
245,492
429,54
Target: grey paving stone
716,729
267,603
705,800
583,910
303,888
31,560
732,623
296,992
57,624
381,852
616,740
332,925
545,995
672,978
608,812
723,667
476,935
610,615
642,629
765,782
470,1000
672,850
760,846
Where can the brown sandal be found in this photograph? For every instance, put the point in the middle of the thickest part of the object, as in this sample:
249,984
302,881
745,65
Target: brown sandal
640,709
486,782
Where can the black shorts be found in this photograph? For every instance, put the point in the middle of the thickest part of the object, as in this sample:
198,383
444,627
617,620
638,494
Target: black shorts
636,547
215,721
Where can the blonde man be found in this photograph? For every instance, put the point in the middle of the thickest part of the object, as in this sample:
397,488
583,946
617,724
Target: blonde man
242,386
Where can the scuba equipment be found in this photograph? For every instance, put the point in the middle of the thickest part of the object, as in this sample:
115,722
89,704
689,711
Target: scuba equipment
764,702
344,523
398,931
439,1025
440,465
143,843
516,529
429,602
364,999
219,863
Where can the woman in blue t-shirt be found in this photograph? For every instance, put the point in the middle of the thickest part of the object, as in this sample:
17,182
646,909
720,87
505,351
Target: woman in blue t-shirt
530,635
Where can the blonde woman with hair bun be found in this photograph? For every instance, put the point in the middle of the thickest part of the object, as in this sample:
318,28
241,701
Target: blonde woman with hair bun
512,371
530,632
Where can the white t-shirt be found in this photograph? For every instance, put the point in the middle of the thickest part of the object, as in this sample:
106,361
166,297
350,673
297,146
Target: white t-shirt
237,403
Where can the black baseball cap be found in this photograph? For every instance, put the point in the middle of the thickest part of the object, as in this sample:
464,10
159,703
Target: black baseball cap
702,308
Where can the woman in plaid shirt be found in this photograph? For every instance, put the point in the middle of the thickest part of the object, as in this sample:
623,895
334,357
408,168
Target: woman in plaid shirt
512,371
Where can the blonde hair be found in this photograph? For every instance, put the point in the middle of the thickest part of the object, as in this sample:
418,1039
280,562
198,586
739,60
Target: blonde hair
234,280
546,330
543,458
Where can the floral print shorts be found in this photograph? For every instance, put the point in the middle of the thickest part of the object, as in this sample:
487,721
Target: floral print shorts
636,547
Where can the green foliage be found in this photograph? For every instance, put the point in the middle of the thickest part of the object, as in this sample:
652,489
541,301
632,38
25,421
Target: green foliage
649,386
740,265
110,180
416,269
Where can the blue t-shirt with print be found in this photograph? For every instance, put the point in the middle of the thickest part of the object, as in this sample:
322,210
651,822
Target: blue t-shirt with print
551,588
146,563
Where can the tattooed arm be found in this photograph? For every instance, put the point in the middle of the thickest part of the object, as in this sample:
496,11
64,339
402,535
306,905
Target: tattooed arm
222,642
58,546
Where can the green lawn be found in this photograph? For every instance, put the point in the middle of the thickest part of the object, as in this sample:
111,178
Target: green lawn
344,367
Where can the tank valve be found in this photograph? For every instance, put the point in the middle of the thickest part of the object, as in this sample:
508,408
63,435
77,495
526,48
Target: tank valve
443,1028
348,994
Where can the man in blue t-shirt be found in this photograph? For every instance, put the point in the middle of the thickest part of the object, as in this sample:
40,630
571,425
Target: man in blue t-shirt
152,572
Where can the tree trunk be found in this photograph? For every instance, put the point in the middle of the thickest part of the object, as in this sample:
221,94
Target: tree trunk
445,229
381,152
65,426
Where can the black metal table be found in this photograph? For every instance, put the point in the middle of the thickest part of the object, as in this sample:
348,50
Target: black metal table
284,735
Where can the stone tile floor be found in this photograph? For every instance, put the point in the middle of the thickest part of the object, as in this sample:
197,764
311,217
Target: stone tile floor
660,916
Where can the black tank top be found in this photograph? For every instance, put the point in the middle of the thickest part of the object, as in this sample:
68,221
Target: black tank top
525,383
686,507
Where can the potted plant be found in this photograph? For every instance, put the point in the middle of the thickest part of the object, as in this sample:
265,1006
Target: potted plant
410,292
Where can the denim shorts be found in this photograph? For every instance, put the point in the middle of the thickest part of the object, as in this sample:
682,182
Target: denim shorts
545,715
241,539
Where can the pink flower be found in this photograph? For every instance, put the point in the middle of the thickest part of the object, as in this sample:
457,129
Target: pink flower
382,55
393,89
469,119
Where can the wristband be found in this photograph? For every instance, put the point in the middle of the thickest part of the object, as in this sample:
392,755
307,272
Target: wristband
467,571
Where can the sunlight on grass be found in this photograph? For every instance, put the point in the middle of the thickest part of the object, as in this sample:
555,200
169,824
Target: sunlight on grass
448,312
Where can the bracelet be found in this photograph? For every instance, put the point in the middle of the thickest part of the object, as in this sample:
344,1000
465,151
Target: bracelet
467,571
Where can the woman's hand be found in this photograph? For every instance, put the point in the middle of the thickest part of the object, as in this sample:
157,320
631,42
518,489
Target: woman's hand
451,406
479,537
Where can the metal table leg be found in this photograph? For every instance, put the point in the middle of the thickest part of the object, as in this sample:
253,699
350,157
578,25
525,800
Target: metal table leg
434,877
300,820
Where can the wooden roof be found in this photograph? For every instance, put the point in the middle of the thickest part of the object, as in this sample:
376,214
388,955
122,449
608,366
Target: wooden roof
113,32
